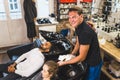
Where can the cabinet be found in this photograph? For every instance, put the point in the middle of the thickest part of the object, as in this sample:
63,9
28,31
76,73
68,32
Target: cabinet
64,5
63,8
46,27
112,53
87,7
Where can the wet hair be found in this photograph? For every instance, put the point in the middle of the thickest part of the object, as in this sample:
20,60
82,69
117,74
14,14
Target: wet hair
53,67
76,8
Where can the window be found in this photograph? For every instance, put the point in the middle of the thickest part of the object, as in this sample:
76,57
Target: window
2,10
15,9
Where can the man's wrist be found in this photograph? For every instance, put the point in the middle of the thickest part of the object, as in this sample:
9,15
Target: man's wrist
73,53
65,62
14,64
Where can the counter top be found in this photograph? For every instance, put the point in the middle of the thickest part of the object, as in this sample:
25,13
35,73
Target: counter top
112,50
53,23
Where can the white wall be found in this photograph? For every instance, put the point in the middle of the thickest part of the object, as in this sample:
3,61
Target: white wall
12,31
44,8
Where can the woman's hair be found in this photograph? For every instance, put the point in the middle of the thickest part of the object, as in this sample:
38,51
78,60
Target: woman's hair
53,67
76,8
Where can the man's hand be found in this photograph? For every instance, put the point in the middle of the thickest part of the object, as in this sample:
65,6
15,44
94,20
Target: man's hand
61,63
11,68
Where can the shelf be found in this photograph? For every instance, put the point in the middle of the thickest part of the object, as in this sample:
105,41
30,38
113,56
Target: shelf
63,8
68,1
107,74
111,50
112,53
86,1
63,14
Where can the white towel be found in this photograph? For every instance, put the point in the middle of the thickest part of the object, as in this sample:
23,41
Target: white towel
66,57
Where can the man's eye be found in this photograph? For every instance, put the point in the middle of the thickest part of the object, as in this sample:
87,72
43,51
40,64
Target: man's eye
74,17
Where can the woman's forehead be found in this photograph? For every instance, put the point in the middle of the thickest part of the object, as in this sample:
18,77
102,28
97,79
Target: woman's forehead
45,67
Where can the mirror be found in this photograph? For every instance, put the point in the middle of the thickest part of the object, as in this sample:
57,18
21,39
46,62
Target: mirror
42,8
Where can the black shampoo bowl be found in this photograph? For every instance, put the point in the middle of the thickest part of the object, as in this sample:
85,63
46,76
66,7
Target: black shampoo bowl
72,72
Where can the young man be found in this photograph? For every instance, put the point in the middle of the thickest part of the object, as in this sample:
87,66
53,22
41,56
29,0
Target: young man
87,45
26,64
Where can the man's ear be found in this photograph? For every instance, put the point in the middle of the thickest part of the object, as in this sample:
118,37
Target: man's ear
81,15
47,50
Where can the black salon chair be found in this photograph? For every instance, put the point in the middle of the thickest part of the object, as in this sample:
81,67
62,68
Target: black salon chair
58,48
15,52
67,72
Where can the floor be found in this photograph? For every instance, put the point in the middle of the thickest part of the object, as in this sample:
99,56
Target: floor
3,56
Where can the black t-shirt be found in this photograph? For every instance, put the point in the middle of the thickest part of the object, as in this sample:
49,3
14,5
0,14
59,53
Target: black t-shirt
87,36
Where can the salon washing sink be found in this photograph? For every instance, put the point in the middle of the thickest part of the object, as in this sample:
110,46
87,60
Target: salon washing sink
72,72
49,36
60,45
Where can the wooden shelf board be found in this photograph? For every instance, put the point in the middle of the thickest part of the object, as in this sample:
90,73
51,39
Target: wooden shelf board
104,71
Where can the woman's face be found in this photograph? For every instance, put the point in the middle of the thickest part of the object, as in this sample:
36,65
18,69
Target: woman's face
45,73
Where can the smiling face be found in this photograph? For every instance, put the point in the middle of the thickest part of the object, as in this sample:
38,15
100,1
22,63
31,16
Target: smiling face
75,16
75,19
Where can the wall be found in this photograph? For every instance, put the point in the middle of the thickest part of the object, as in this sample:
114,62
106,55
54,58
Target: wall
12,32
45,8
